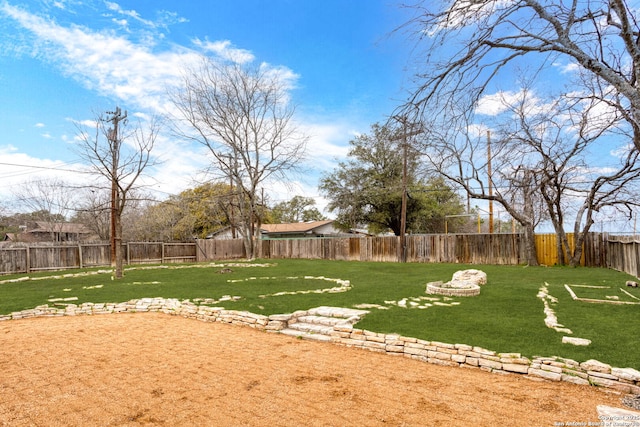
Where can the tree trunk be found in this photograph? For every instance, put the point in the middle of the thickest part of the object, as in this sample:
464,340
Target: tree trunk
256,235
247,236
119,269
531,254
574,261
565,249
527,220
580,235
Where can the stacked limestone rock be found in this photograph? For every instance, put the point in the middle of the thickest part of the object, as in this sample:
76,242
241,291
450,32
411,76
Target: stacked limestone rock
464,283
625,380
469,277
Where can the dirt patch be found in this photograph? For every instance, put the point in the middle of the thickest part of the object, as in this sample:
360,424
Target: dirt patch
155,369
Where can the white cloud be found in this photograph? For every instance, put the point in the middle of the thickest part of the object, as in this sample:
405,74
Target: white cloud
60,4
568,68
137,75
6,150
39,125
282,192
106,62
91,124
497,103
115,7
115,66
462,13
225,50
163,19
110,64
284,75
121,22
17,167
328,144
477,130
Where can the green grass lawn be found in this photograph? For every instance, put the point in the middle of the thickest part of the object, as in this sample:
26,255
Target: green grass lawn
506,317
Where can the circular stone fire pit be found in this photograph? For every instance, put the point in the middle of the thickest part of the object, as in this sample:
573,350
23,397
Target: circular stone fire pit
447,289
465,283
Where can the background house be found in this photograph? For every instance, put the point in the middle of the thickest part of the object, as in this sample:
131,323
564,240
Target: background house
299,229
224,233
43,231
287,231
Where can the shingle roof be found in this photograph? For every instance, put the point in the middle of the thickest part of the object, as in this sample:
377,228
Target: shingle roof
64,227
296,227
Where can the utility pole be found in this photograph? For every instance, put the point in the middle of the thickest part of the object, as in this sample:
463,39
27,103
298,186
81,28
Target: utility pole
114,143
402,247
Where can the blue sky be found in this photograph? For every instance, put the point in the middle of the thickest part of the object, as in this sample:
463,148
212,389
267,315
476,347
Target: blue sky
63,61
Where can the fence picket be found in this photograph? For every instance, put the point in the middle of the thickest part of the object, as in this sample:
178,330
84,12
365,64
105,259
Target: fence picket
600,250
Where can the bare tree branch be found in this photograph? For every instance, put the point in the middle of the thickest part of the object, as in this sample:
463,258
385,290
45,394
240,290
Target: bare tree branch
243,116
468,43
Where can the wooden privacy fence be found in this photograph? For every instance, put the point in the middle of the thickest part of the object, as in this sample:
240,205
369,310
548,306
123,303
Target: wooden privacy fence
26,259
451,248
623,254
600,250
594,249
159,252
461,248
211,249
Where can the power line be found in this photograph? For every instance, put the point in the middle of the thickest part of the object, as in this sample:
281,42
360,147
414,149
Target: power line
42,167
32,170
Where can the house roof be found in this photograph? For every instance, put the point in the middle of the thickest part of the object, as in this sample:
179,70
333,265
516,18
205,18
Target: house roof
64,227
296,227
10,237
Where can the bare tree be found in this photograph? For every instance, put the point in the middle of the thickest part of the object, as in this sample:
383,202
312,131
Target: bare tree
119,155
135,219
461,156
559,136
469,43
51,200
541,165
243,115
94,211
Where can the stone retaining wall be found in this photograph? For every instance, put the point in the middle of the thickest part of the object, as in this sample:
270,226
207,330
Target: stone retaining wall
437,288
591,372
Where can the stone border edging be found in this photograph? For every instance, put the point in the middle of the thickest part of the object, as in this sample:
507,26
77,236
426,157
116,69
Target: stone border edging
438,288
598,301
591,372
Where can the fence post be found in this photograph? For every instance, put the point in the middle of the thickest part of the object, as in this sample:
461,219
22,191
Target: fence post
80,255
28,257
162,252
637,252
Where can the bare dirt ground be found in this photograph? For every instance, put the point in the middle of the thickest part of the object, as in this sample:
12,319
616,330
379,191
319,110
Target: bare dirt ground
155,369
